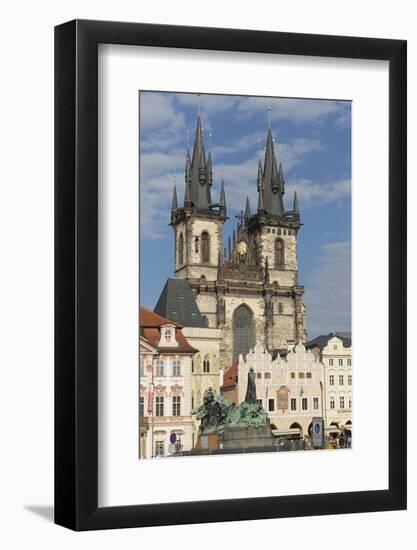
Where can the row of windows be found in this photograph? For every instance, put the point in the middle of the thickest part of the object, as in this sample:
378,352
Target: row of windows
302,375
340,362
293,404
280,231
160,406
161,367
341,402
266,375
341,379
293,375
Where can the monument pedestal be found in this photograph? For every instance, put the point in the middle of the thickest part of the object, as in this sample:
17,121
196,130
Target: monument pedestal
246,437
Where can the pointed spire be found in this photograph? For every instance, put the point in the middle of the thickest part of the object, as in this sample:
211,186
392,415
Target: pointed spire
209,170
281,181
260,175
222,202
187,197
247,209
174,207
275,180
261,205
209,177
188,166
198,194
202,169
295,203
272,198
260,187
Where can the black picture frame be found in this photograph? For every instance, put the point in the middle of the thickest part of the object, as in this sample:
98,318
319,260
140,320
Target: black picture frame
76,272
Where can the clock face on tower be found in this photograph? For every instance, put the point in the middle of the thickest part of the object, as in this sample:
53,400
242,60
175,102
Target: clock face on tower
242,248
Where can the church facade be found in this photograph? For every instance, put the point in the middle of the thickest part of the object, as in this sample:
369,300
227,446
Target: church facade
248,286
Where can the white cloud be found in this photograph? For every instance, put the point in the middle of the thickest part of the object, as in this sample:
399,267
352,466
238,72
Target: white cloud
296,110
311,193
328,291
212,105
157,111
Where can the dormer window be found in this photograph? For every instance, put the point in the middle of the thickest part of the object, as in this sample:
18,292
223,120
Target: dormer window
168,337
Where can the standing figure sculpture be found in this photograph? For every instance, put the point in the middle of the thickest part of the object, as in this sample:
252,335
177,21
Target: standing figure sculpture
251,389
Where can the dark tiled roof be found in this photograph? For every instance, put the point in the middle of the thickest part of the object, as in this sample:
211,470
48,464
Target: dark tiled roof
321,341
177,303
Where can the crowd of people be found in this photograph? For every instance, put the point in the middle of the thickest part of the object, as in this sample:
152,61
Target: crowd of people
342,440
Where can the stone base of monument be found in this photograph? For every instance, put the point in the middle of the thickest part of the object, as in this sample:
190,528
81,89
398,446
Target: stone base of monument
241,438
236,439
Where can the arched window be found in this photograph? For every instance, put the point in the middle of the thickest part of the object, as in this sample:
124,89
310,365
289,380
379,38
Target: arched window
243,331
205,247
206,364
279,252
181,249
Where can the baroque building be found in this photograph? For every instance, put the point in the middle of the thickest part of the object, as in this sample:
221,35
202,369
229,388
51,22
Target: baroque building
177,303
335,352
165,387
248,288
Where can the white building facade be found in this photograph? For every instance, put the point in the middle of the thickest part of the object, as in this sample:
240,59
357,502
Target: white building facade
335,352
290,389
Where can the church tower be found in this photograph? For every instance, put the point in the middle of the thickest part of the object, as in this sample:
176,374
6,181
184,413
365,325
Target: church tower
198,228
249,289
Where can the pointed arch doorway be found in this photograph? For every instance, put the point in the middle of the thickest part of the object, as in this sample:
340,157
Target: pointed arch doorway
243,331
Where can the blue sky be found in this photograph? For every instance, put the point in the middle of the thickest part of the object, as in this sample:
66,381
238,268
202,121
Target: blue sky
313,142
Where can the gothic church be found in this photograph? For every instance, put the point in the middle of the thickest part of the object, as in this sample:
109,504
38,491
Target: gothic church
249,289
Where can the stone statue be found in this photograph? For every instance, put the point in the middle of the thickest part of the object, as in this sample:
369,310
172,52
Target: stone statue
215,413
251,389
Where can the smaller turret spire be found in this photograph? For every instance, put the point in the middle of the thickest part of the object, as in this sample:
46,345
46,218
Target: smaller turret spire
281,181
261,205
222,202
174,207
275,177
260,175
247,209
209,170
188,176
202,169
295,204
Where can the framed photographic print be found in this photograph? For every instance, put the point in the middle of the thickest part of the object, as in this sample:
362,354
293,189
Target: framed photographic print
230,275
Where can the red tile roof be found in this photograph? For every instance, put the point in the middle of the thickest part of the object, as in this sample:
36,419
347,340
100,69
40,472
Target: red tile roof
148,318
150,324
230,377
